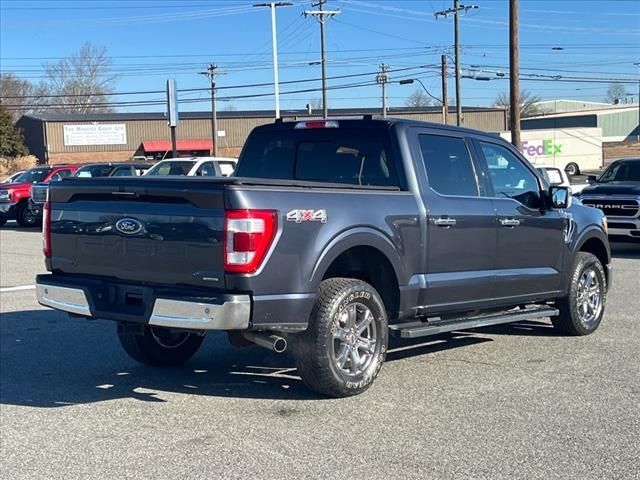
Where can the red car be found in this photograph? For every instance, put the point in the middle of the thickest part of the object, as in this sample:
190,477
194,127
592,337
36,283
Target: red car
14,197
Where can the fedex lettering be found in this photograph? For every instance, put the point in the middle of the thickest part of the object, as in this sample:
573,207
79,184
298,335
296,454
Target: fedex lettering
546,148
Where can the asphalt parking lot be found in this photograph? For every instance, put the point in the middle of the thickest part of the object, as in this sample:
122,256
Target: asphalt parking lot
503,402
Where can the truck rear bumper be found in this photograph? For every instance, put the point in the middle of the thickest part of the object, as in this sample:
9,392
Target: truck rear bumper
129,303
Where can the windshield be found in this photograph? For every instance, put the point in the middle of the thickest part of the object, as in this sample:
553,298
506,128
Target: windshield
94,171
34,175
171,168
622,172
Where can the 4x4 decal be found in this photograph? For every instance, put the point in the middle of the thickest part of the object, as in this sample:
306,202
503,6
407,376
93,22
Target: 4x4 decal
300,216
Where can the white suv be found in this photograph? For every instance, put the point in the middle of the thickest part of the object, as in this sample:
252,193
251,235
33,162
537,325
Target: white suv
194,166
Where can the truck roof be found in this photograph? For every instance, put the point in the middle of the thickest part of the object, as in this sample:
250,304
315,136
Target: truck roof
369,121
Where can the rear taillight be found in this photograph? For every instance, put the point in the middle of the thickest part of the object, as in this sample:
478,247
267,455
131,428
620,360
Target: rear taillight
46,229
248,235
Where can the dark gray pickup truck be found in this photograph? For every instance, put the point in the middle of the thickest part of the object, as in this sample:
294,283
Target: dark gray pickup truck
333,235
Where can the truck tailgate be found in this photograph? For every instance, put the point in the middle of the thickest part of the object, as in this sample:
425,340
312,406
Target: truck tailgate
150,230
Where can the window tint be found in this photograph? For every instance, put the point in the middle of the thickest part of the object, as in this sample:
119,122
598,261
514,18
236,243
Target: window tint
622,172
59,175
510,177
169,167
122,172
206,170
448,164
34,175
336,155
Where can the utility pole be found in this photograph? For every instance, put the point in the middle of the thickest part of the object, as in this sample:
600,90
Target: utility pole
445,101
383,78
274,47
321,15
514,79
211,74
457,8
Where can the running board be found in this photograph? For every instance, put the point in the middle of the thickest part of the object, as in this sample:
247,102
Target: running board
425,328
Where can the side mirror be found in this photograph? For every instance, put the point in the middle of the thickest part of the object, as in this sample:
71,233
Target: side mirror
560,197
591,179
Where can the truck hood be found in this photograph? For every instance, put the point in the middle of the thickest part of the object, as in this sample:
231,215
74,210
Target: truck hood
612,188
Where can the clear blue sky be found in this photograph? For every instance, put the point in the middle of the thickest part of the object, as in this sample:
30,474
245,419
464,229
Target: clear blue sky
151,40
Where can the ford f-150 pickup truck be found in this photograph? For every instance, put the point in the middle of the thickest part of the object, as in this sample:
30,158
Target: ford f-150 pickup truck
333,235
617,194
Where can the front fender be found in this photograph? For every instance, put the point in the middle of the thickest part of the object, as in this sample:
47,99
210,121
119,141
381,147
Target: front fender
358,237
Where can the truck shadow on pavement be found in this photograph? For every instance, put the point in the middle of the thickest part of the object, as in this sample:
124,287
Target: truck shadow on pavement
48,360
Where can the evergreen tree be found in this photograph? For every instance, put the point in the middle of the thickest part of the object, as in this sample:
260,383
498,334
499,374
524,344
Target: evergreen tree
11,144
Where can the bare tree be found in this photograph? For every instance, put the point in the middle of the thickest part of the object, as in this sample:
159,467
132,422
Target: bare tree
616,93
315,103
418,99
80,83
15,94
528,100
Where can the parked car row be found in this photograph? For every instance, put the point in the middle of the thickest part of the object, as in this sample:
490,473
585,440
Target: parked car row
23,195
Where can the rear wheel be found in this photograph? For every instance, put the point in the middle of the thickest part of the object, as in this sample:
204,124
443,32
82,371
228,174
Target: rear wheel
572,169
3,220
343,349
24,217
582,309
160,347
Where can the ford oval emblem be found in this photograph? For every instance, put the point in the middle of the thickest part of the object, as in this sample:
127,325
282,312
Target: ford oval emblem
128,226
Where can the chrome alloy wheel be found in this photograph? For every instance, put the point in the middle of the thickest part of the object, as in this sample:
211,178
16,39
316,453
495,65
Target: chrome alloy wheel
354,339
168,338
589,297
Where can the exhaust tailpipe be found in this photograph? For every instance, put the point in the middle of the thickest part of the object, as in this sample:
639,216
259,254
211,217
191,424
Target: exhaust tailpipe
270,342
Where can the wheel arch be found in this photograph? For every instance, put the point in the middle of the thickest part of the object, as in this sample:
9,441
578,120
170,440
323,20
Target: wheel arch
594,243
368,255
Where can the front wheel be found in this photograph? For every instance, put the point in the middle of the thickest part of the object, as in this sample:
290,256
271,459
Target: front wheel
344,347
582,309
160,347
24,217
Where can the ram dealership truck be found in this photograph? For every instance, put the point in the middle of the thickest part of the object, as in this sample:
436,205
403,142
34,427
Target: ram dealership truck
332,235
617,193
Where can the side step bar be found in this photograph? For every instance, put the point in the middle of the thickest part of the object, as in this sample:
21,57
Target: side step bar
424,328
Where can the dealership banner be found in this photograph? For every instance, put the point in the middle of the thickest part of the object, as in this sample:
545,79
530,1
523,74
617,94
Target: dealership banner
95,134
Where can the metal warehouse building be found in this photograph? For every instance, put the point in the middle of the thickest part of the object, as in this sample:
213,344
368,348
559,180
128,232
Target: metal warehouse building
618,124
73,138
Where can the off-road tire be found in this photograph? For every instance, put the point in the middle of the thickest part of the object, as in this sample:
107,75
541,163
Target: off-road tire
313,349
569,322
24,218
146,349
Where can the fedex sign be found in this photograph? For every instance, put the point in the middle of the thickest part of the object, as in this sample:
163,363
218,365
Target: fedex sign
544,148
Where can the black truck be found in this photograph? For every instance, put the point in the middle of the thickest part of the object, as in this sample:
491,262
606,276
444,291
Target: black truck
332,235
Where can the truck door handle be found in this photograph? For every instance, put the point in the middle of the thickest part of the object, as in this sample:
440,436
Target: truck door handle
509,222
444,222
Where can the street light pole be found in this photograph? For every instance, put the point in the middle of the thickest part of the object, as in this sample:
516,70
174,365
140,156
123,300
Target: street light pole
274,47
408,81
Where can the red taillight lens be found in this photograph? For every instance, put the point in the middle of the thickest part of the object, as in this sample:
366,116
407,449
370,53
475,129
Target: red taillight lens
46,229
247,238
